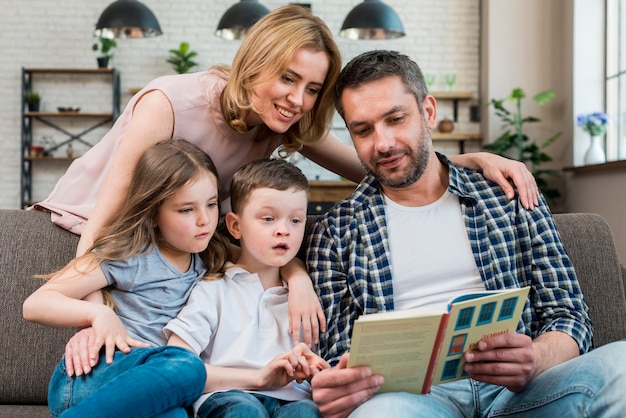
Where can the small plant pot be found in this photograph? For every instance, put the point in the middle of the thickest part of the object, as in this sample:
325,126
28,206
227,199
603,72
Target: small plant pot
103,62
33,107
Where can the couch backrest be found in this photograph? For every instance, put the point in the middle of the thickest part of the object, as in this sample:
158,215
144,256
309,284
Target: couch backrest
29,244
589,244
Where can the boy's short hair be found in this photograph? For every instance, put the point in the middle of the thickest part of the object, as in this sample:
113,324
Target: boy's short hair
265,173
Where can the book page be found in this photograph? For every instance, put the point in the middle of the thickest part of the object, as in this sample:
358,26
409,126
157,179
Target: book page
399,349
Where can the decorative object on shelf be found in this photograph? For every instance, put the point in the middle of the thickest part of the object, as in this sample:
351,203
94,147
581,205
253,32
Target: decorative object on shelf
35,151
450,80
68,109
595,125
238,18
430,81
33,101
372,19
181,58
514,143
69,150
446,125
105,48
127,19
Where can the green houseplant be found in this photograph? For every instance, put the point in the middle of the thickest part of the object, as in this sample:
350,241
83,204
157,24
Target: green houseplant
33,100
514,143
104,47
181,58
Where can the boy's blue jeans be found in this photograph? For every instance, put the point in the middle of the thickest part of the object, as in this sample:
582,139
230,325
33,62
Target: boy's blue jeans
147,382
591,385
239,404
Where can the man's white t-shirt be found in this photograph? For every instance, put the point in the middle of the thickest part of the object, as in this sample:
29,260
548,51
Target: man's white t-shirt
431,257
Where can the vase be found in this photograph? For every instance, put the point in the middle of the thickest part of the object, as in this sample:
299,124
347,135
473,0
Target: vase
595,153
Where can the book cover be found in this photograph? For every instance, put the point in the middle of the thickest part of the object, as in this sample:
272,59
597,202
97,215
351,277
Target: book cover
417,348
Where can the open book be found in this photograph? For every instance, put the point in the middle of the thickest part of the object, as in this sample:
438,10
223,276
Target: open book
416,348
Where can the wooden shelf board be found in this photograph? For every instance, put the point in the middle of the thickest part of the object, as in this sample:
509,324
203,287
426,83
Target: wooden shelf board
454,136
70,114
70,70
453,95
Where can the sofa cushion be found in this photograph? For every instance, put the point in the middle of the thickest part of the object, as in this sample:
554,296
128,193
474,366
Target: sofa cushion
30,244
589,244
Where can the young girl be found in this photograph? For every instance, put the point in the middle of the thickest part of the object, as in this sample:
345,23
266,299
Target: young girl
157,247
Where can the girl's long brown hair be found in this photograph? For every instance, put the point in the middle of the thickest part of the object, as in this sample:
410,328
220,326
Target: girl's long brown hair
160,172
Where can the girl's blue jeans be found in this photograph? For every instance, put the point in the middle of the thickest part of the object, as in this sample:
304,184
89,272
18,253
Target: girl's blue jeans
147,382
239,404
591,385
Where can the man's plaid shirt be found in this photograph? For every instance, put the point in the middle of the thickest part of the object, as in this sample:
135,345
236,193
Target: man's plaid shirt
348,259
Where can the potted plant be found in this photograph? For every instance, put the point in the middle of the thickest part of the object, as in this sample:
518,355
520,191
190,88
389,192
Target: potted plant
105,48
514,143
33,99
181,58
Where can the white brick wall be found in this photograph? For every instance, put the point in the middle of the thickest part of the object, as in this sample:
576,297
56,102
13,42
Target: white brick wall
442,36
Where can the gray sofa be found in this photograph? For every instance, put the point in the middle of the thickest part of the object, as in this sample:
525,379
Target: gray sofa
31,244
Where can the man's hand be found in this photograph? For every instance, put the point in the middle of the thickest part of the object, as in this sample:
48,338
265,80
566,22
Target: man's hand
506,360
340,390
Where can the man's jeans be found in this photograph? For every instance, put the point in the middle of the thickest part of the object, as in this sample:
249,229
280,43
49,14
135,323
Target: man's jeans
239,404
591,385
147,382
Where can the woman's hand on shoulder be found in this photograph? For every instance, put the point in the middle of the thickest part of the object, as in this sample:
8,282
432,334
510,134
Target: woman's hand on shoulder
502,170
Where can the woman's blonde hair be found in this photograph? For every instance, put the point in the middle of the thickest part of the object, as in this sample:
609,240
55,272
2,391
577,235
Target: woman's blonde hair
162,170
266,52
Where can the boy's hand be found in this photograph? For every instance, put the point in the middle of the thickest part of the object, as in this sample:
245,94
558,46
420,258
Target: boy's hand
309,363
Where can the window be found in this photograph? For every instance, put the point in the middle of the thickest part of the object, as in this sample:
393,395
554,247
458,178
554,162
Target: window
616,79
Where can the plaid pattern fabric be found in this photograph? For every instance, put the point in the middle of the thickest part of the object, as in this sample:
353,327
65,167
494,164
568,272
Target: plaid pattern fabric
347,258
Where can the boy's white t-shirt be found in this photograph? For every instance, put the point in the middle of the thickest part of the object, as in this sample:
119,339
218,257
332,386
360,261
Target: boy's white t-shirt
431,257
234,322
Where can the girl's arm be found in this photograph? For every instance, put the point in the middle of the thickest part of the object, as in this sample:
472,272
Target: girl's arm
304,305
292,365
58,303
152,122
342,159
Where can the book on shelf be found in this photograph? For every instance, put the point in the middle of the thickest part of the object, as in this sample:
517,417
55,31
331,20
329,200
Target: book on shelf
414,349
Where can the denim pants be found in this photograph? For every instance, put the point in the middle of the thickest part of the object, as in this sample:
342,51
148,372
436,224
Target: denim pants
591,385
147,382
239,404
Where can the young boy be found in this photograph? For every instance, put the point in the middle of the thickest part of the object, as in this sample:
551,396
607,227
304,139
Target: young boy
239,322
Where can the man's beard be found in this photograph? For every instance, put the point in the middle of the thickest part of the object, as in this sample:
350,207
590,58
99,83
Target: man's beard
418,160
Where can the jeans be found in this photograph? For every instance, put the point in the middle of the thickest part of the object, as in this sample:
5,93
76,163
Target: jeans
591,385
147,382
239,404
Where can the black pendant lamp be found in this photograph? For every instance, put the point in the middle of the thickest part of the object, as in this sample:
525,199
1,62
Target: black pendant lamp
372,19
238,19
127,19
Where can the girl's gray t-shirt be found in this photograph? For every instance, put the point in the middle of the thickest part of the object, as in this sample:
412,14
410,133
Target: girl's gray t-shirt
149,292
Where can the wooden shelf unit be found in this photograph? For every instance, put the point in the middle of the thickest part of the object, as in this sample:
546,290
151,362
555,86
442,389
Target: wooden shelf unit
461,138
56,120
